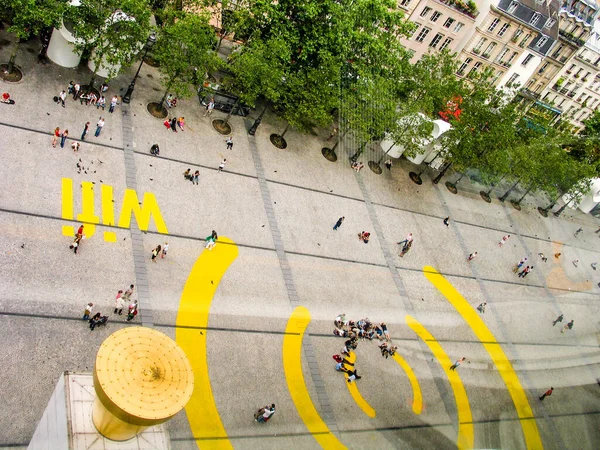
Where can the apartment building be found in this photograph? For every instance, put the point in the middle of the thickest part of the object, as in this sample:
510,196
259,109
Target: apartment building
440,24
512,40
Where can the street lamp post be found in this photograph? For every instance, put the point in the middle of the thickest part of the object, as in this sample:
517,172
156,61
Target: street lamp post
149,43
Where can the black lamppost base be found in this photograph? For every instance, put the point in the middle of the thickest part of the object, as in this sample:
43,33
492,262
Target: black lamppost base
127,97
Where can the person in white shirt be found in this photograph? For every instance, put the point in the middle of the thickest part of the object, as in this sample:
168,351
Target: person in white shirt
99,126
268,411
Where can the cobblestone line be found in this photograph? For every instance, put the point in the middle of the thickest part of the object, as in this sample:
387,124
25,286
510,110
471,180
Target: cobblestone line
145,315
512,350
322,397
439,379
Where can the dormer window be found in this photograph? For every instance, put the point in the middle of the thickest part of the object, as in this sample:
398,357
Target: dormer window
535,19
512,7
549,23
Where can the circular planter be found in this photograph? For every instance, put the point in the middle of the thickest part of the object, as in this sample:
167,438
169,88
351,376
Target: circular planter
157,110
13,77
451,187
485,196
515,205
278,141
329,154
221,126
415,178
542,211
375,168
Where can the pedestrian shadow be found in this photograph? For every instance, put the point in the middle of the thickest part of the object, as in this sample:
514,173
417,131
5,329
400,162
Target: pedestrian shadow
558,278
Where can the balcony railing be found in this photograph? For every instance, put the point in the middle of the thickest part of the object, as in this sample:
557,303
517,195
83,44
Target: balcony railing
570,38
462,7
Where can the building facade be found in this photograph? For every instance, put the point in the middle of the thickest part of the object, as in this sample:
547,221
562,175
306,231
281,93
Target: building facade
441,24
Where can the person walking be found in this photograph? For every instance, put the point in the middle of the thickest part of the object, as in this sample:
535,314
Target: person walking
62,97
127,293
195,177
472,256
173,124
576,262
113,103
63,138
156,252
558,319
524,272
222,165
86,128
520,263
229,142
388,164
447,221
409,238
568,326
75,245
457,363
547,393
165,249
481,308
76,89
55,136
211,240
264,414
503,240
133,311
119,303
88,310
338,223
527,272
99,126
210,107
579,230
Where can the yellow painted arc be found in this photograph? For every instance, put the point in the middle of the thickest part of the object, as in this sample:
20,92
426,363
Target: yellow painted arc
190,335
353,389
292,367
417,405
466,435
503,365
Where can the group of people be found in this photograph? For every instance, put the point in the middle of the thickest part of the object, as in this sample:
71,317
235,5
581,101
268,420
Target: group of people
361,329
89,97
174,123
523,273
97,319
122,299
160,250
193,177
364,236
357,166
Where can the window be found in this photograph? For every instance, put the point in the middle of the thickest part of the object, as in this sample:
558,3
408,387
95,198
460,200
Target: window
512,57
446,43
436,40
512,80
517,34
435,16
541,42
497,75
458,27
557,51
512,7
549,23
535,19
476,66
422,34
477,48
503,29
502,55
571,69
528,58
425,11
524,41
543,68
493,25
449,21
461,69
405,3
488,51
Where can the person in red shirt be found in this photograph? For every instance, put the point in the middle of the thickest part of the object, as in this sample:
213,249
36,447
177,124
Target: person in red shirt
547,393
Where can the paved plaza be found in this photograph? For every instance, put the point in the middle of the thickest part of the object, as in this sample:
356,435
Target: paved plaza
255,314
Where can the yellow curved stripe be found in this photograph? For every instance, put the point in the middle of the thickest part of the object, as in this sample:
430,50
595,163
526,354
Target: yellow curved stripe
417,405
503,365
194,307
292,367
354,392
466,436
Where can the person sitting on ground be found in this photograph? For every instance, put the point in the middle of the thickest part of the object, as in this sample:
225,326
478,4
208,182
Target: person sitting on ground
5,97
155,150
211,240
352,375
181,123
187,174
359,166
96,320
169,101
84,97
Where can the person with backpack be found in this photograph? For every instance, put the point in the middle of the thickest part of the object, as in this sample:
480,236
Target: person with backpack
264,414
133,311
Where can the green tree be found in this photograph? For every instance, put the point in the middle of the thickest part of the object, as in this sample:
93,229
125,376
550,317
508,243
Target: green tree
184,50
28,18
110,30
